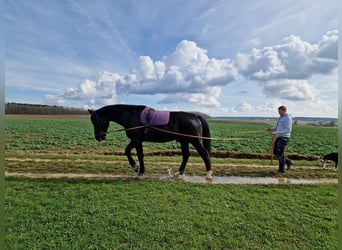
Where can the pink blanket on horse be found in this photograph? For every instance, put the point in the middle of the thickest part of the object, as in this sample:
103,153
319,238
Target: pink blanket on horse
153,117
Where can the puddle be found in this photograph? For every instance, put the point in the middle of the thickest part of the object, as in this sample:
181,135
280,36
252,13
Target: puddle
237,180
244,180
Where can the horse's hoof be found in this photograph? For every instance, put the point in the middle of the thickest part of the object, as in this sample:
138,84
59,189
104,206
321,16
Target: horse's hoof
178,175
135,168
170,173
209,176
140,175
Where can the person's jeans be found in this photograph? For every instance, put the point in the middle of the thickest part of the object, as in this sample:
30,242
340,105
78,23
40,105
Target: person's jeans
279,152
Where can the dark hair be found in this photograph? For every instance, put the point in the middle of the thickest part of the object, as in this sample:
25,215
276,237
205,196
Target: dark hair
282,108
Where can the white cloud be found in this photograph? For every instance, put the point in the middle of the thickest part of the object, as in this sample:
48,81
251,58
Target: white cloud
101,90
244,107
146,70
296,90
208,99
328,45
315,108
53,100
282,70
187,70
264,109
189,75
254,42
293,59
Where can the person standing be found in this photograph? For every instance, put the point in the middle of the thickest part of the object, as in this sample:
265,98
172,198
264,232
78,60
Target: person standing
282,133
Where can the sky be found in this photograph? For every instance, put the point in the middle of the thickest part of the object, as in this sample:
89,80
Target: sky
219,57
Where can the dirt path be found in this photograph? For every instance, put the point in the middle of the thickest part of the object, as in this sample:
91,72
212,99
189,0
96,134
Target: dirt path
64,175
237,175
237,180
161,163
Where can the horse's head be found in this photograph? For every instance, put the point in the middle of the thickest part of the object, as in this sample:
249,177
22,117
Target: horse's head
100,124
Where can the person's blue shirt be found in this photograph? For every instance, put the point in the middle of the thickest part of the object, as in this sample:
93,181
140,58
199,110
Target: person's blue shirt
284,126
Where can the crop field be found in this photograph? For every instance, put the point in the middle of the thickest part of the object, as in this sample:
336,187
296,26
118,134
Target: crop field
77,135
128,213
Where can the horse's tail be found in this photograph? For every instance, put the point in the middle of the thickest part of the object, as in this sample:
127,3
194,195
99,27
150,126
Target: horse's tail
206,133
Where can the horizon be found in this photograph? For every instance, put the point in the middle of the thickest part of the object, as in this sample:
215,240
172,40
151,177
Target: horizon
251,116
212,56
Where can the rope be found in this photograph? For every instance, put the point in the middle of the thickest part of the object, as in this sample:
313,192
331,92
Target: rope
125,129
272,148
199,137
250,131
191,136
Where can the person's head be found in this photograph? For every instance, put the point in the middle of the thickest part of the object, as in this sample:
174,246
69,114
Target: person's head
282,110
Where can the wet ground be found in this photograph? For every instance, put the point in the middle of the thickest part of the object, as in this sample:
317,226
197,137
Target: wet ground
243,180
237,180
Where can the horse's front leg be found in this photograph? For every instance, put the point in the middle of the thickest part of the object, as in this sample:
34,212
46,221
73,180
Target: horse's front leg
131,161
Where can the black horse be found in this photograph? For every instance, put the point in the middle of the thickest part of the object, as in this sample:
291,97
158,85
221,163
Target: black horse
183,127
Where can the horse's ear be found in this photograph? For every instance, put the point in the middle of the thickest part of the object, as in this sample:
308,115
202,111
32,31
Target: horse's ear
90,111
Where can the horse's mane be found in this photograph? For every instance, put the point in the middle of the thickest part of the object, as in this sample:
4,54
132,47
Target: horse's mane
122,107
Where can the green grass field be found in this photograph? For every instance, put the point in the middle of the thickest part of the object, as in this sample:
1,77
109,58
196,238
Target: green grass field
77,135
83,213
142,214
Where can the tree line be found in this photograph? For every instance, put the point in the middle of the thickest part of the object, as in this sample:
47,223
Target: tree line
39,109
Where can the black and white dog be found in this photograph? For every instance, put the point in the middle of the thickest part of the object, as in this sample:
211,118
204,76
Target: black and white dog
329,158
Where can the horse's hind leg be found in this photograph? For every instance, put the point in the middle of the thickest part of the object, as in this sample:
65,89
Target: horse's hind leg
140,154
205,156
186,155
131,161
